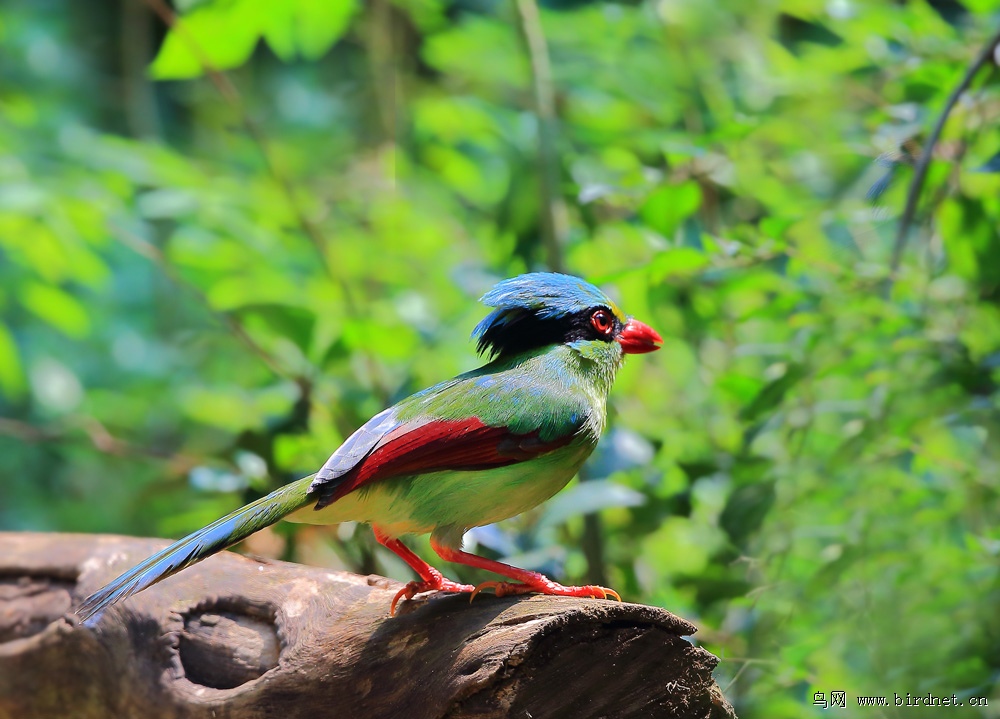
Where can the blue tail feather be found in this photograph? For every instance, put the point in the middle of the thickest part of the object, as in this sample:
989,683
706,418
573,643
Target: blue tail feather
220,534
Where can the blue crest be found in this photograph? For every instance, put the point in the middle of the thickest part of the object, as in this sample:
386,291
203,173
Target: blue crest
527,305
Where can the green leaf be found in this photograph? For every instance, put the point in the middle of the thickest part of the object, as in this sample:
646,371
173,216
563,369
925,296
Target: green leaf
669,205
677,262
11,373
221,34
58,308
321,23
306,28
772,394
587,497
500,58
280,32
224,34
746,510
285,321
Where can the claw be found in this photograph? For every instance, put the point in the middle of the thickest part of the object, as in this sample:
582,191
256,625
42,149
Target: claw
479,588
414,588
497,587
408,591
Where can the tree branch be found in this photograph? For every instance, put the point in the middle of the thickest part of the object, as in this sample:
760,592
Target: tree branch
304,383
555,224
100,437
152,253
923,163
235,636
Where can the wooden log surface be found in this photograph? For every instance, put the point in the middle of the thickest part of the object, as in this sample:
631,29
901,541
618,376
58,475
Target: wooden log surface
241,637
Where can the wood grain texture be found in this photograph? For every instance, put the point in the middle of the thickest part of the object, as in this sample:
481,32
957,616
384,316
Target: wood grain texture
238,637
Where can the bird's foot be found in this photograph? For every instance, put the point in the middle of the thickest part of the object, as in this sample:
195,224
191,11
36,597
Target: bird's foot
546,586
439,584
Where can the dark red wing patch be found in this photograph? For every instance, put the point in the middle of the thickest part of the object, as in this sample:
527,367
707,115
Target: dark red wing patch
438,445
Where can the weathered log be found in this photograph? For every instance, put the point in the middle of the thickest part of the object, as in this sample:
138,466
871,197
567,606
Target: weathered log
242,637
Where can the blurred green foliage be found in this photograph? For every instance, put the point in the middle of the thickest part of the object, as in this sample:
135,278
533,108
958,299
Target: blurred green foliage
208,281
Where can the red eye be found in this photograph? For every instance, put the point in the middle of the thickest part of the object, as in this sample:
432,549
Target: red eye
601,321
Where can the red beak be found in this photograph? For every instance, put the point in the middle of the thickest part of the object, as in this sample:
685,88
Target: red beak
638,338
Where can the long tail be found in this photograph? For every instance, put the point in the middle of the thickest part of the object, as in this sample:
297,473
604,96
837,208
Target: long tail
204,543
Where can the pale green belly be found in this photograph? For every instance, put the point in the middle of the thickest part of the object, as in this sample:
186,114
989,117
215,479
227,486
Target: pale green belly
422,503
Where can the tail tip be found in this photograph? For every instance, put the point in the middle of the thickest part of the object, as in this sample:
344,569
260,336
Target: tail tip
91,610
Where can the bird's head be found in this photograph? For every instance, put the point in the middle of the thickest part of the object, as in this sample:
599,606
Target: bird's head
546,308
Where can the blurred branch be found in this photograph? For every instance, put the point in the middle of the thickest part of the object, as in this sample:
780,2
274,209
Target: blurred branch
593,549
231,95
746,663
555,224
920,173
385,86
136,51
153,254
101,439
304,383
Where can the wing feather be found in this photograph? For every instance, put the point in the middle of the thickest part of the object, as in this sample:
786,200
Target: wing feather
356,447
424,433
432,446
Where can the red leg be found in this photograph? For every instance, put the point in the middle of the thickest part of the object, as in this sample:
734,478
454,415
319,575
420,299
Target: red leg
528,581
431,579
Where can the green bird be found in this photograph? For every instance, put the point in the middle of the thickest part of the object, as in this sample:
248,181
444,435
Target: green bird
484,446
